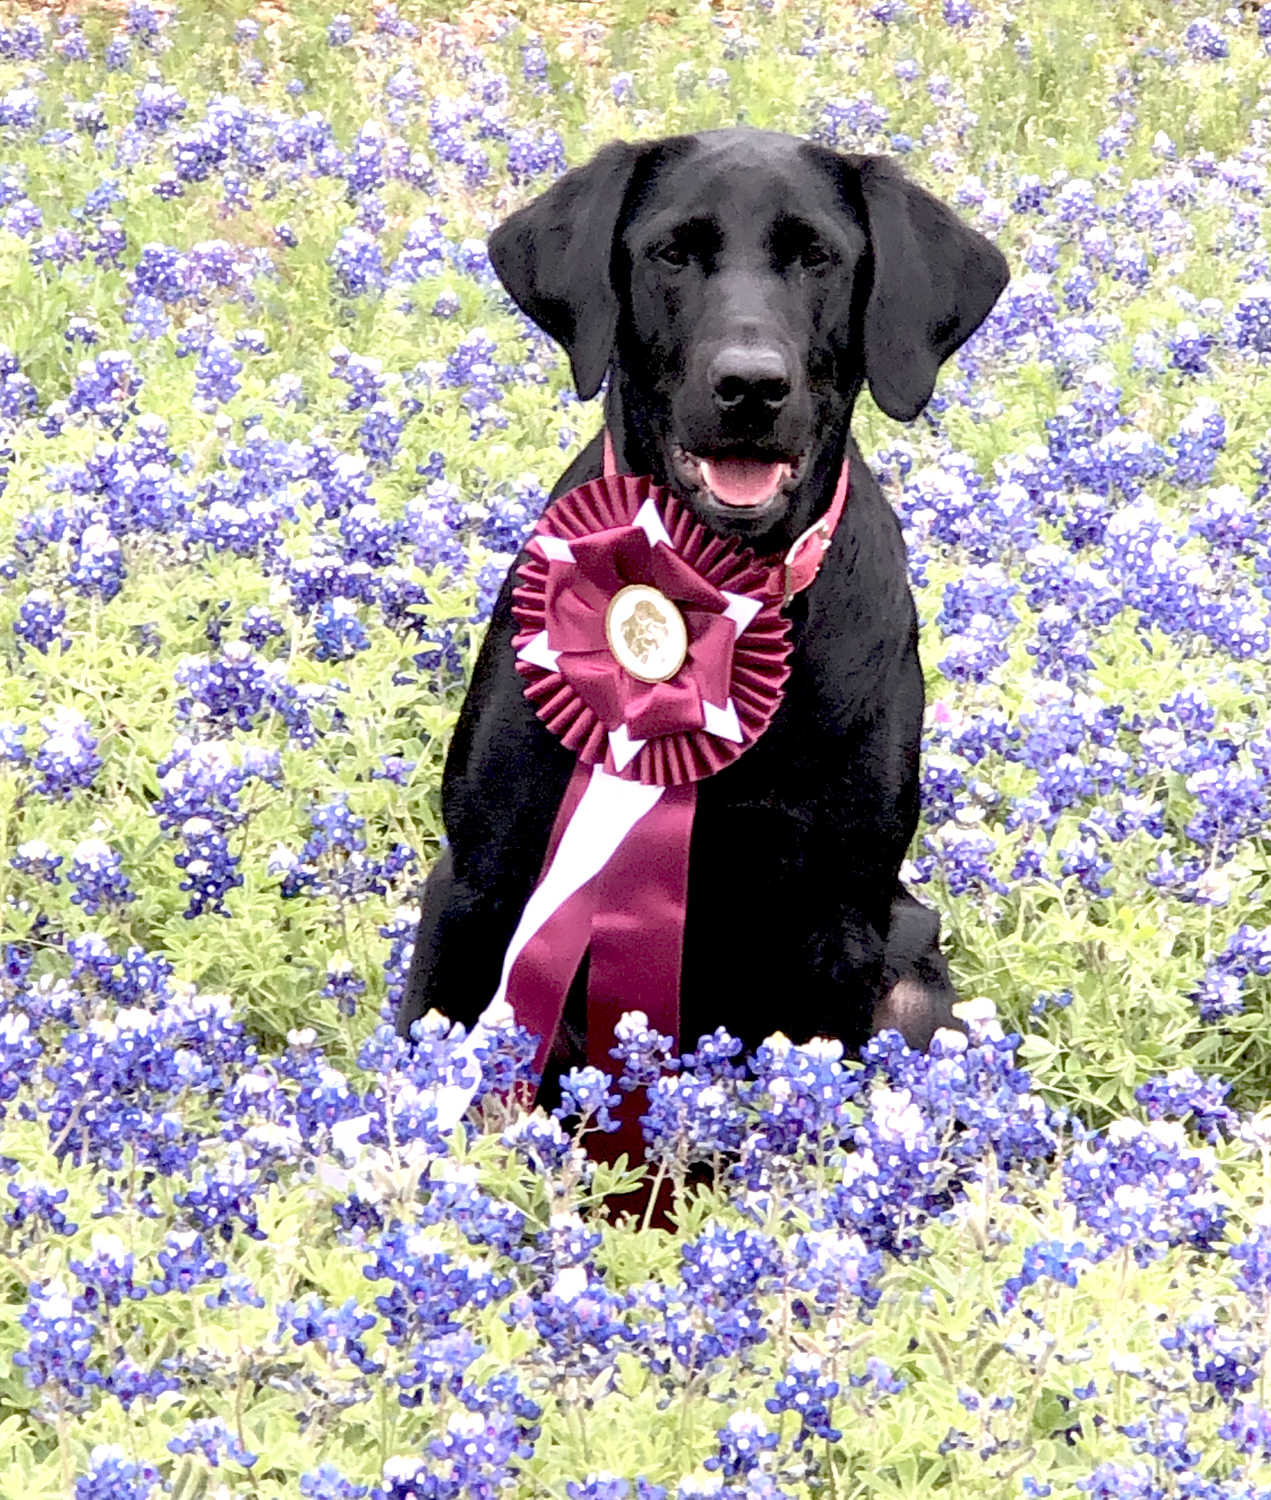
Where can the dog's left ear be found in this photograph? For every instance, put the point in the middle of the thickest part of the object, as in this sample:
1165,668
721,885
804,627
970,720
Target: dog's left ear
935,281
554,254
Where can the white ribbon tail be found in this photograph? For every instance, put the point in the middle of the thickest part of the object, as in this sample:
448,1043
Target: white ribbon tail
609,810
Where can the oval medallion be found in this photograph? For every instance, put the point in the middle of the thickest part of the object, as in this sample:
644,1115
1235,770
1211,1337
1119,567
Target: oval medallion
646,633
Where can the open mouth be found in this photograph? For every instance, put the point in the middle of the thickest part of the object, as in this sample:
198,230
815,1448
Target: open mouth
744,484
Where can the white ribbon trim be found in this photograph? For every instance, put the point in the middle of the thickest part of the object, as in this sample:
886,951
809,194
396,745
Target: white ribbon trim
722,722
648,520
554,548
539,652
741,610
624,748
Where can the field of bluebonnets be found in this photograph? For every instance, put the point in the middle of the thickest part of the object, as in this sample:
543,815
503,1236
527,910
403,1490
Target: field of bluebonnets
269,435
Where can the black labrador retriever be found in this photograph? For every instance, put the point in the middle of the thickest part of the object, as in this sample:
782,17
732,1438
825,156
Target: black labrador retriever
738,288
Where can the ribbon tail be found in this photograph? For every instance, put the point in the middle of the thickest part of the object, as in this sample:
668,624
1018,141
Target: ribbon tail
555,927
637,946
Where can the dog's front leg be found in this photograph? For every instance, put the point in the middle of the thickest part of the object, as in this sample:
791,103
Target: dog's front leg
441,973
916,996
504,779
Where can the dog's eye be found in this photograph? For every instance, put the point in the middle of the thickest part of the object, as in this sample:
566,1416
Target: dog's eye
813,257
671,255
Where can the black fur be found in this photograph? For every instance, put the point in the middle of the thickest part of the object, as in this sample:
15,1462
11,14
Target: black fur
739,288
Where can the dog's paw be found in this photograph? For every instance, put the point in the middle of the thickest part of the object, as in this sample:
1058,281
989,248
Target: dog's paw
916,1010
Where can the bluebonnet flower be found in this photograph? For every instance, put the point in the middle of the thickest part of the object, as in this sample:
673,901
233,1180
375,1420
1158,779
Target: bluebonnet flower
211,870
23,218
1220,1357
362,375
1202,435
326,1482
40,619
339,1330
259,626
599,1486
37,859
185,1264
106,388
1226,521
849,121
343,985
834,1271
962,856
231,691
585,1096
99,565
1253,1256
806,1390
20,109
1250,321
98,878
60,1343
531,156
106,1277
147,317
35,1205
67,759
541,1146
380,433
213,1442
1248,951
427,1287
690,1119
880,1376
198,780
645,1054
224,1202
1248,1429
1189,349
112,1475
338,631
1144,1188
368,537
24,41
1079,289
743,1441
1081,858
533,61
357,264
1232,806
1052,1259
1183,1094
1204,39
216,378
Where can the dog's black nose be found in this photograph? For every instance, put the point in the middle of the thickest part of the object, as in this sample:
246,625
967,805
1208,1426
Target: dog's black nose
745,373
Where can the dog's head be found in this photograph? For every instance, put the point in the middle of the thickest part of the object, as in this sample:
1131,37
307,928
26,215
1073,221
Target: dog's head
743,286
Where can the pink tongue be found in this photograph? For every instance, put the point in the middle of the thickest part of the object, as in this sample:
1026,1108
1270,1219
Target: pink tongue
742,481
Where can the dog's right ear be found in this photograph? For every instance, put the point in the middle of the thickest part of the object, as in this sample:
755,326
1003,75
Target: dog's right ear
553,256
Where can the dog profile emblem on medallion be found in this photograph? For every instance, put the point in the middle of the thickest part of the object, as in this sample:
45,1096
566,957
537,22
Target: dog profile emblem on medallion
646,633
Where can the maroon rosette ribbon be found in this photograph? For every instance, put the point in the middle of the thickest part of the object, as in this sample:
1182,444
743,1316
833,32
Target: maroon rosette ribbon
729,687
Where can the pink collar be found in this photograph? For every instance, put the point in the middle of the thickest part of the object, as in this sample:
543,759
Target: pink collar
799,567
